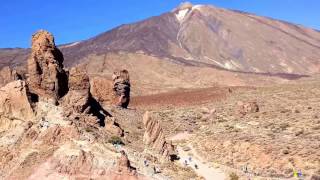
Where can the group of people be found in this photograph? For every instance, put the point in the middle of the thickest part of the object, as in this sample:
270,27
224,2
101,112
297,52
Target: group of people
188,161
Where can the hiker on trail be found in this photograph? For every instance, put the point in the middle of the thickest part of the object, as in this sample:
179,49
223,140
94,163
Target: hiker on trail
196,166
295,174
145,162
245,169
185,162
158,170
190,159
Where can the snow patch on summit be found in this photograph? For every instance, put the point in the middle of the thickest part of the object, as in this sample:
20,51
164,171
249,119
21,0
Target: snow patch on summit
185,9
180,15
70,45
198,7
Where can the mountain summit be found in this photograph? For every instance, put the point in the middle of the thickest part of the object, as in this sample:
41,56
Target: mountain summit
197,36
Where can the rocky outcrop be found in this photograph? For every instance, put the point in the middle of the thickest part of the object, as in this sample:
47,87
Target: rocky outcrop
78,95
113,127
47,77
79,102
154,137
102,90
41,140
7,75
246,108
123,164
81,163
121,87
15,105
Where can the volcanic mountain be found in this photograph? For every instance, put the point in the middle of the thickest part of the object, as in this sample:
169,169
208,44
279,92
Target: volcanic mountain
192,45
65,114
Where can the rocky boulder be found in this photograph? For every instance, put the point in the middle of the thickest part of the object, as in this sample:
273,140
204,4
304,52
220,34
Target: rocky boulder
78,96
123,165
47,77
113,127
8,75
244,108
15,106
154,137
121,87
102,90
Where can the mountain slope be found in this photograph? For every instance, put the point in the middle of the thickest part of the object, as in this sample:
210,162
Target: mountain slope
206,34
196,36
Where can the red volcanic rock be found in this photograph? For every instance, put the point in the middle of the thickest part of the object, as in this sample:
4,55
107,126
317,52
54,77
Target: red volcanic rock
15,104
78,95
113,127
8,75
123,164
78,79
47,77
123,170
154,137
102,90
81,164
121,87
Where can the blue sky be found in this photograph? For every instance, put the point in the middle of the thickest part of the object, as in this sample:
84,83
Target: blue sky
74,20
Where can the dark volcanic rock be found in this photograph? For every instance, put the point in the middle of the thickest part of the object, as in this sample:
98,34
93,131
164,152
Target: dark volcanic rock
121,86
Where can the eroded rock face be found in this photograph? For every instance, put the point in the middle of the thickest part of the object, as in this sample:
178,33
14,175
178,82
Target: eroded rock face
41,140
154,137
121,87
8,75
113,127
123,165
102,90
47,77
82,163
78,95
15,105
246,108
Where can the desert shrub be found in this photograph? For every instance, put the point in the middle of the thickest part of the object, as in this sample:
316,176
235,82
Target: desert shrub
233,176
89,129
115,140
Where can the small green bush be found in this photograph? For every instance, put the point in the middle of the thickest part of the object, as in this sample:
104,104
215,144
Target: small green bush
88,129
233,176
115,140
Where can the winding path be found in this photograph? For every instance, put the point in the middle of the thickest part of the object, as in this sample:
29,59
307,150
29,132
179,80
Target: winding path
203,169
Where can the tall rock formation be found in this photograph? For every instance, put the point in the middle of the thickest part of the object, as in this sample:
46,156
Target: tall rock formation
121,87
47,77
78,95
154,137
123,164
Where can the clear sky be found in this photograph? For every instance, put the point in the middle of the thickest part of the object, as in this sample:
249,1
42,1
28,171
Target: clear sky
74,20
